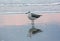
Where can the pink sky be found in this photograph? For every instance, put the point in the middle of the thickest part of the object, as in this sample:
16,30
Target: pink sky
22,19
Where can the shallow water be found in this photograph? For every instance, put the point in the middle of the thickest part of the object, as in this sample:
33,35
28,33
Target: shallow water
51,32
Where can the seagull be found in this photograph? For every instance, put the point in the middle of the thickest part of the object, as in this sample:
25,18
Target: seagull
33,17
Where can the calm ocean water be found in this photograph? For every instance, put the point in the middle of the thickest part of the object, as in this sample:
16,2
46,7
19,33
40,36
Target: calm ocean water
51,32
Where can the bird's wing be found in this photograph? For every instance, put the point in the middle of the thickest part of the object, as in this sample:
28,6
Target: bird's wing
35,15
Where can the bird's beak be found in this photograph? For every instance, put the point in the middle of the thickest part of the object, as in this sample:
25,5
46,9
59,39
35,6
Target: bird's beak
27,12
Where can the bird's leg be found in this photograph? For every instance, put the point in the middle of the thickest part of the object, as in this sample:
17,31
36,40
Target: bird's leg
33,24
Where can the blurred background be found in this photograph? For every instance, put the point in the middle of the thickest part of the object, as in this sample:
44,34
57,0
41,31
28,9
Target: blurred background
14,23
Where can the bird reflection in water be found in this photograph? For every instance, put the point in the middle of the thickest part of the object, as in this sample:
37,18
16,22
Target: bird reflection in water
34,31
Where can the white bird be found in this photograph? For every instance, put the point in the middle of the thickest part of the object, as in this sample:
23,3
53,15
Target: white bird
32,16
